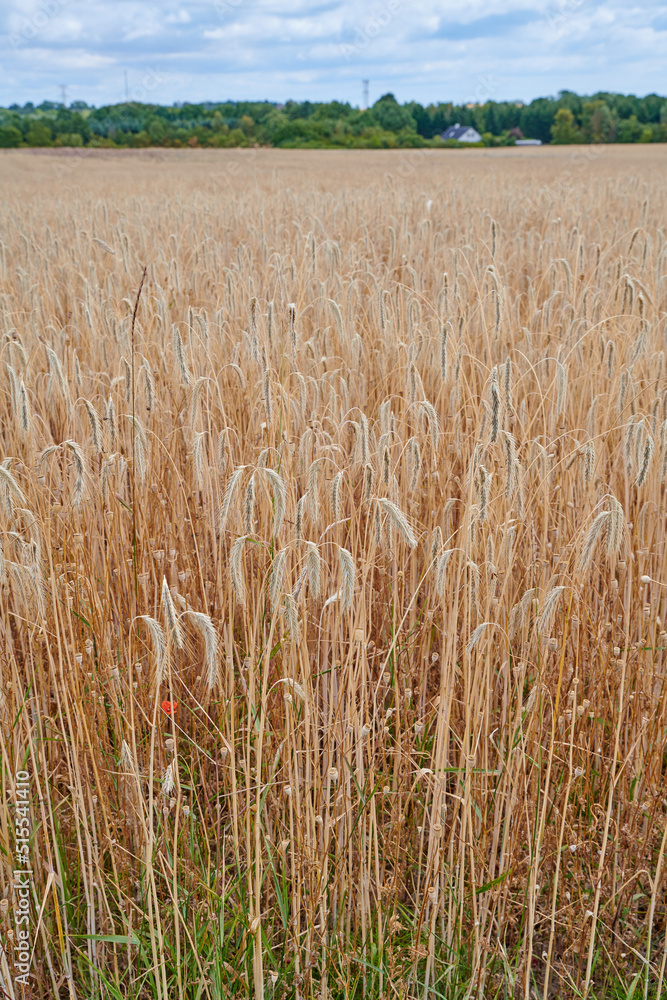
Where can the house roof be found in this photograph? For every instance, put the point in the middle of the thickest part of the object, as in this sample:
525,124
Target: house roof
456,131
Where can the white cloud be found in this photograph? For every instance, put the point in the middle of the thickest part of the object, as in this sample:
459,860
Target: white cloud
179,17
420,49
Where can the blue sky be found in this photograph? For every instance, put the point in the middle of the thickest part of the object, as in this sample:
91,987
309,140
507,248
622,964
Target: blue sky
424,50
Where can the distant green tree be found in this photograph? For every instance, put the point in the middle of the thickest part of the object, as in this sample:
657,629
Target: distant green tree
391,116
272,124
651,106
568,118
421,119
119,135
408,138
598,120
629,130
10,137
441,118
235,137
332,110
568,99
68,139
564,131
157,130
69,122
536,118
492,120
38,134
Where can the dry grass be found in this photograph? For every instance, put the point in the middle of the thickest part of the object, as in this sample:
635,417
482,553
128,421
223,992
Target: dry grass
397,552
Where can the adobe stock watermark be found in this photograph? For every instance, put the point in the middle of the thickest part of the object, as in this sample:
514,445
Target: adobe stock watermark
150,81
372,27
34,23
487,86
69,160
410,160
243,158
580,158
222,7
559,11
71,156
22,880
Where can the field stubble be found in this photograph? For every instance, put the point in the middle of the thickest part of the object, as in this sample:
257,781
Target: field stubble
332,583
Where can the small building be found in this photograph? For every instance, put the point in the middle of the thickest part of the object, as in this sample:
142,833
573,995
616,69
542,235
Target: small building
462,133
528,142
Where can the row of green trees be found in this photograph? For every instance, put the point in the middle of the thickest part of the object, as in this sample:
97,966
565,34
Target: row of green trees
567,118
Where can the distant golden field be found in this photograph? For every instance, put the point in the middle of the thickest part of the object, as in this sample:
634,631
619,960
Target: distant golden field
333,574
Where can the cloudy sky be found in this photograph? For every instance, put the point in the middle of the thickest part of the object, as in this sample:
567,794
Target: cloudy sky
255,49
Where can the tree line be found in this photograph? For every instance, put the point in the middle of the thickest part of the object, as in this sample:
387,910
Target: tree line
565,119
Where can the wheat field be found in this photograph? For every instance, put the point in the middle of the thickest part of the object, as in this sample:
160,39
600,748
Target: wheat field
332,574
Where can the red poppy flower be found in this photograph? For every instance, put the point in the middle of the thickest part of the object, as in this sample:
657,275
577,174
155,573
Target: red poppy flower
169,706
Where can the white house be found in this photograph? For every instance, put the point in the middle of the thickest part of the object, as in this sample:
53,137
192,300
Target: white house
462,133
